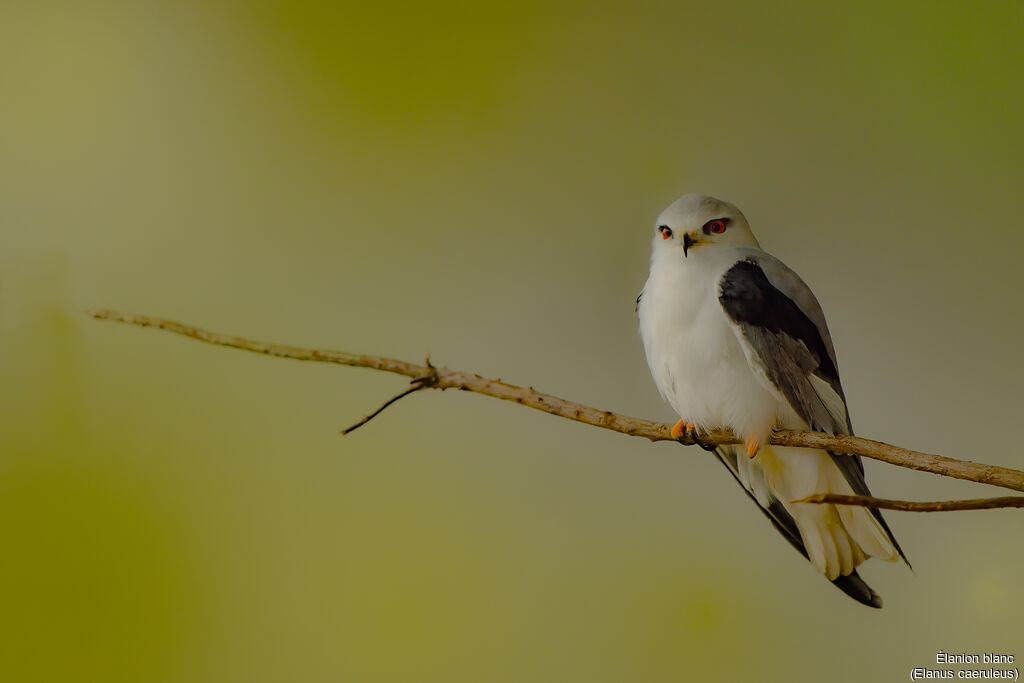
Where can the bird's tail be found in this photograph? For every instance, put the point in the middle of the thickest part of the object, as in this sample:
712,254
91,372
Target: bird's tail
751,477
837,538
854,586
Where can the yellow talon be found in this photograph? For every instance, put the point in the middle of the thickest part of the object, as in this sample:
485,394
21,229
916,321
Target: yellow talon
752,448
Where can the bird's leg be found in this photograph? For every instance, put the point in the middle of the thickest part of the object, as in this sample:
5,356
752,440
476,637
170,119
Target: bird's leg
690,430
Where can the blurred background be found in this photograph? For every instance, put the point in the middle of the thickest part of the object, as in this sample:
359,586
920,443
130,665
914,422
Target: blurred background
479,181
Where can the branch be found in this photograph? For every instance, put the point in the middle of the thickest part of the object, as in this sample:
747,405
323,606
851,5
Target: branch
417,384
443,378
909,506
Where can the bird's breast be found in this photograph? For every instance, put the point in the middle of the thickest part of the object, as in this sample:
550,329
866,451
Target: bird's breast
694,354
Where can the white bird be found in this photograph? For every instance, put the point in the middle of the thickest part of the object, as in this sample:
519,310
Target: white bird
735,339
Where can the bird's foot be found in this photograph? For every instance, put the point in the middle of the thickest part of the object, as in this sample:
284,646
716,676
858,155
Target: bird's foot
682,427
753,446
689,429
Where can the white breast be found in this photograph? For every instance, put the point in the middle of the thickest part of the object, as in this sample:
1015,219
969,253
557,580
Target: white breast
694,355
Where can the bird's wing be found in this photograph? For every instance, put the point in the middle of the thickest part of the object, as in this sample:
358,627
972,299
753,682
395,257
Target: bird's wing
782,330
783,333
752,481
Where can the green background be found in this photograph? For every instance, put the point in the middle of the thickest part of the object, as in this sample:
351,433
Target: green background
479,181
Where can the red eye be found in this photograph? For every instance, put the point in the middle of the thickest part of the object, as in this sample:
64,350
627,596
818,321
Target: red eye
666,232
716,226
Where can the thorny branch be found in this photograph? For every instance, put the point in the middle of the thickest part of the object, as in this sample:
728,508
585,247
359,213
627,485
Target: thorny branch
427,376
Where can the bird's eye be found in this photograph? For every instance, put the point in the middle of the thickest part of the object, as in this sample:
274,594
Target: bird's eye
716,226
666,232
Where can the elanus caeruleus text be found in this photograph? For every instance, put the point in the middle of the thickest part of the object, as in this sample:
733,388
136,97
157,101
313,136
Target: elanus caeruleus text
735,339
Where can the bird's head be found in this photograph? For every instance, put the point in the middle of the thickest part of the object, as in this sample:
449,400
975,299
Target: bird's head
696,223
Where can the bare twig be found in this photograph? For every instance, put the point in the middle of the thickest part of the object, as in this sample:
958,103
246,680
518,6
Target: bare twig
909,506
454,379
377,412
417,384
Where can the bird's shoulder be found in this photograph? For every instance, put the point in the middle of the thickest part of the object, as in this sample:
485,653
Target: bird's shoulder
759,284
749,261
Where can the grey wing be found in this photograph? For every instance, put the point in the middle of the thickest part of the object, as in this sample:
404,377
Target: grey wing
784,333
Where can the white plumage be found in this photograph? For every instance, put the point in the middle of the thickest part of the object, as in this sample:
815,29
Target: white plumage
747,348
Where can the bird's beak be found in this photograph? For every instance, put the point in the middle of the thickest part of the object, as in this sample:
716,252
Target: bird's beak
688,241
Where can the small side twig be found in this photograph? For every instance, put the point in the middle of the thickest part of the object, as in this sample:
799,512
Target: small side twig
422,382
911,506
380,410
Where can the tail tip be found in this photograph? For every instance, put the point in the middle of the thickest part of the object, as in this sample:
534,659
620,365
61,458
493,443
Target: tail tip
856,588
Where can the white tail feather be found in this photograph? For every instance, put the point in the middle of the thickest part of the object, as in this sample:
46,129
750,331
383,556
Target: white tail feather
837,538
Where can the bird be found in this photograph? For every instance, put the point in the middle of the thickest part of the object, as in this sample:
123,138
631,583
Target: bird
735,339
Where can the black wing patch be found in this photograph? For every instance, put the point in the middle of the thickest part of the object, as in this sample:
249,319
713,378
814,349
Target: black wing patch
788,343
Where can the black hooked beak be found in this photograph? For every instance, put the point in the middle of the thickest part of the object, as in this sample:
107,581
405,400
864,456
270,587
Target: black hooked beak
687,243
